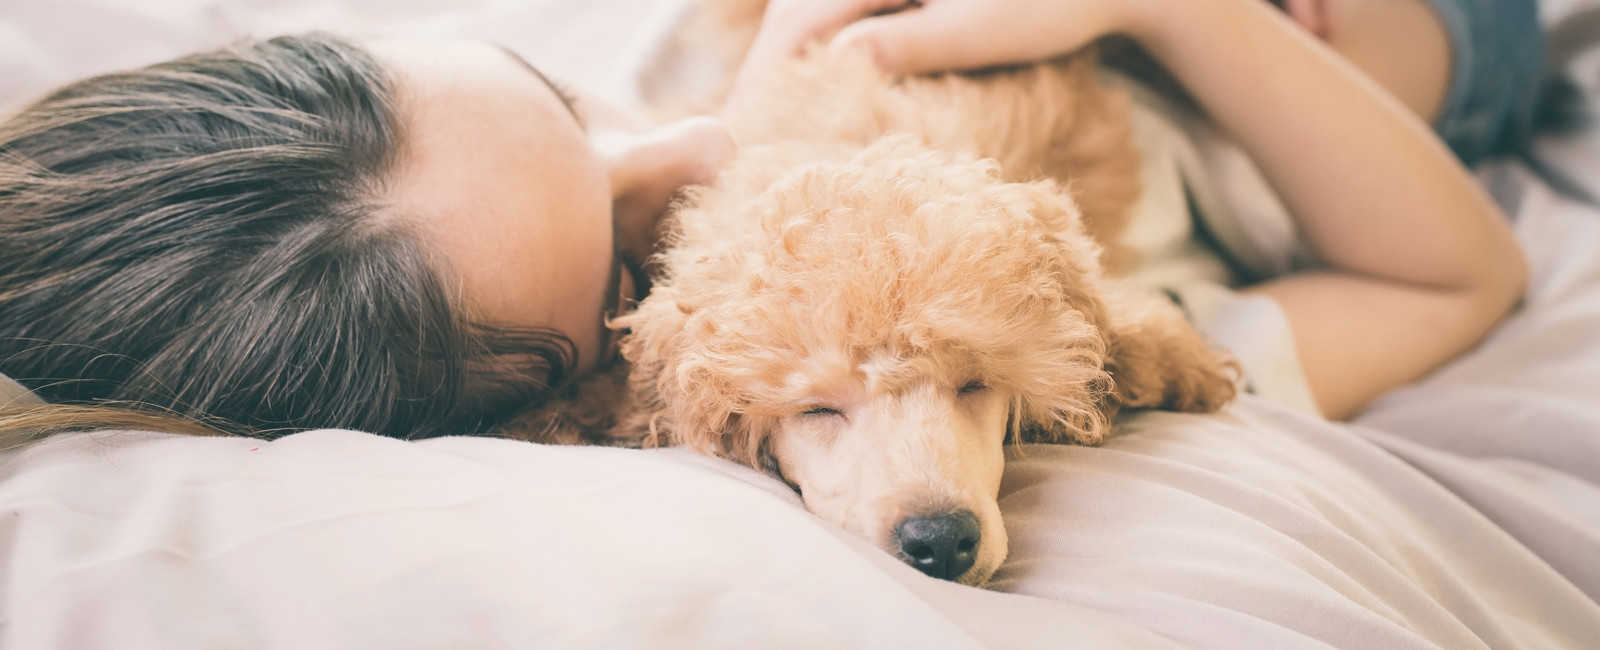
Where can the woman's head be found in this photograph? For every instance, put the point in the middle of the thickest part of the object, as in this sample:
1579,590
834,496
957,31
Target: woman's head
299,233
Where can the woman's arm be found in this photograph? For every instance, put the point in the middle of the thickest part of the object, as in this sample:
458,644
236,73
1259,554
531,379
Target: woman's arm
1418,262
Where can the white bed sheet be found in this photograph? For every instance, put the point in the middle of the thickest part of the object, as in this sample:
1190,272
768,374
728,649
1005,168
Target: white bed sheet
1460,513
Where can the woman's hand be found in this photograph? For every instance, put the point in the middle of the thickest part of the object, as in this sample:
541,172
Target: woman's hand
967,34
934,35
915,36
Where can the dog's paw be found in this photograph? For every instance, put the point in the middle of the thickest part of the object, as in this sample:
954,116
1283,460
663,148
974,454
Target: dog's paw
1158,360
1206,385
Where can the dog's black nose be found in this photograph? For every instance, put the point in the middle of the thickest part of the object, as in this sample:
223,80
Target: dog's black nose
943,546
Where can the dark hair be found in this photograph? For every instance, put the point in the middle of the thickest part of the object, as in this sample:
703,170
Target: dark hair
206,237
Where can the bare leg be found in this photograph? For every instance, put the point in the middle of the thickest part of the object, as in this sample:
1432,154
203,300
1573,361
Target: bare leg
1401,44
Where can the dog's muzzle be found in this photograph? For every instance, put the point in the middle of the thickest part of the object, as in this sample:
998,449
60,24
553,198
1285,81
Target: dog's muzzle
942,545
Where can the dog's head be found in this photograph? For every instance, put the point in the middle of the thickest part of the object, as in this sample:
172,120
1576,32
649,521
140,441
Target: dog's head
873,328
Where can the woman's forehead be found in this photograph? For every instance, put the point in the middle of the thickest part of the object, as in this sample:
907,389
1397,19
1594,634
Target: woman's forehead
499,175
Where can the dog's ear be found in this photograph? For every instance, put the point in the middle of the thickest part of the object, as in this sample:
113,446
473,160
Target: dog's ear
679,396
1068,401
1148,355
651,348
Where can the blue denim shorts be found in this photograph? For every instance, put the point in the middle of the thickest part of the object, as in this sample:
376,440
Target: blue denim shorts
1498,53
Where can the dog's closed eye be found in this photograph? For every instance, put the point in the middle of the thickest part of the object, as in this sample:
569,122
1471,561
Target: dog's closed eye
821,411
972,387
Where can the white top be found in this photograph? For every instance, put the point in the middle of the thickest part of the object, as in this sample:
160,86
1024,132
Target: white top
1188,164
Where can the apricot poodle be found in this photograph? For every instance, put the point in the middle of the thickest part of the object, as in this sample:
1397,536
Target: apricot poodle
894,278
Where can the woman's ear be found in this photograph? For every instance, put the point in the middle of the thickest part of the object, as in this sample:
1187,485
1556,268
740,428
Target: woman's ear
1158,360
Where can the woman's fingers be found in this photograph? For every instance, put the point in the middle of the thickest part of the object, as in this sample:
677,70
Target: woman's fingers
789,24
966,34
935,37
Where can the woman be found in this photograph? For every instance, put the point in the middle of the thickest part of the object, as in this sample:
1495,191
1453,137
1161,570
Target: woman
306,233
420,239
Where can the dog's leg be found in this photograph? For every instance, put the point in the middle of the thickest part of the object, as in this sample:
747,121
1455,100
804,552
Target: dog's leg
1158,360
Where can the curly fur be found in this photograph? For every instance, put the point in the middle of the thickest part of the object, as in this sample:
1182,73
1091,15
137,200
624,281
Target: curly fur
914,255
824,216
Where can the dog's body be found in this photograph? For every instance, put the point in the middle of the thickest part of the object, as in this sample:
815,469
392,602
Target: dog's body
894,278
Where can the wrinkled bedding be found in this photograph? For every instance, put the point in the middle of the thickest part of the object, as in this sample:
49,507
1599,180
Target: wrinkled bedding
1462,512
